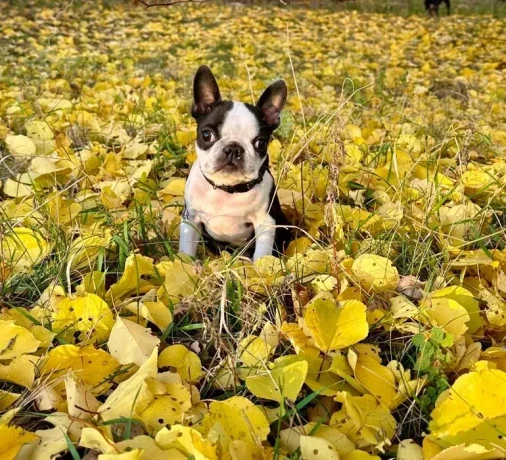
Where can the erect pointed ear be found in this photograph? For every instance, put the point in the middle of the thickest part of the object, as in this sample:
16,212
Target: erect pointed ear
272,101
205,91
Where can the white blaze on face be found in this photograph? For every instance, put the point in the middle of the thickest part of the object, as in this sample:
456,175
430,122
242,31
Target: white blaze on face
239,125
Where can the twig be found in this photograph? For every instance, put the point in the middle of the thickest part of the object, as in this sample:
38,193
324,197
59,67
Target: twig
168,3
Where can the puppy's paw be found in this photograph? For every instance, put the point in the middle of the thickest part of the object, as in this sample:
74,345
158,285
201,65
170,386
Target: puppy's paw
198,268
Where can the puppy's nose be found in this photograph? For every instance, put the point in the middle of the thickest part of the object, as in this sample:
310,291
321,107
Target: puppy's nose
234,151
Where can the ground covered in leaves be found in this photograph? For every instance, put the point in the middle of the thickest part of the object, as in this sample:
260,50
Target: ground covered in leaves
380,333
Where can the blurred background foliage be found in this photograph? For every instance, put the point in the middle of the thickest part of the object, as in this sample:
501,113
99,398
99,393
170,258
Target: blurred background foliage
495,8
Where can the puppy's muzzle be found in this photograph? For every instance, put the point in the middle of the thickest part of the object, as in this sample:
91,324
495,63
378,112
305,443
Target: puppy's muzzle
232,157
233,152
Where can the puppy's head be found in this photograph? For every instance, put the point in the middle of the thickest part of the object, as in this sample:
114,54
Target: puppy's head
232,137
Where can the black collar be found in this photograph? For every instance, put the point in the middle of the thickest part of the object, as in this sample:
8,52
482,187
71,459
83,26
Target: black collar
244,186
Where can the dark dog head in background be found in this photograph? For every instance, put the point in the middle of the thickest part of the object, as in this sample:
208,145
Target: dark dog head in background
432,6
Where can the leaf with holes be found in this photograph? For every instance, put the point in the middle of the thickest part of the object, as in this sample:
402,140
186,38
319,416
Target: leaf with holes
89,315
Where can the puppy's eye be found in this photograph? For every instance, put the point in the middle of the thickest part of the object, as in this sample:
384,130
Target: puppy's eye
260,143
208,135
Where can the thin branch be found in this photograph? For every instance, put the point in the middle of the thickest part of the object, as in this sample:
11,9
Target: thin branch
147,4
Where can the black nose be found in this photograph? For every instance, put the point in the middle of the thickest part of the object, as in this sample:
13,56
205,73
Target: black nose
234,151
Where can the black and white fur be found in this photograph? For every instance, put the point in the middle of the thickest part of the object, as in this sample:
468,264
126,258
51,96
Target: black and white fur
432,6
230,194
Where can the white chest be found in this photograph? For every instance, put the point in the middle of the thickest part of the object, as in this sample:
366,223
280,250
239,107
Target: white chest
227,217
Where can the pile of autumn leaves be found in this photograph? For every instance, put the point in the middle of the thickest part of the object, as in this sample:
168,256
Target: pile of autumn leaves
89,390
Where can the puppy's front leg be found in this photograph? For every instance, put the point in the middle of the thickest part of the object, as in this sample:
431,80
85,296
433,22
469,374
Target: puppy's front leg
265,231
189,235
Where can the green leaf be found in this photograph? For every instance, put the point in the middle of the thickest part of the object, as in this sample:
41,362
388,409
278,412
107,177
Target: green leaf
418,340
437,335
447,341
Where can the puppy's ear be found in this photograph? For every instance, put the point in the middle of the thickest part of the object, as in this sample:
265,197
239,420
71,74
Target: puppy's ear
205,91
271,103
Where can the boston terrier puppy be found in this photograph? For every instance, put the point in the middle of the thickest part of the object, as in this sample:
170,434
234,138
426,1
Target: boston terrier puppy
230,195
